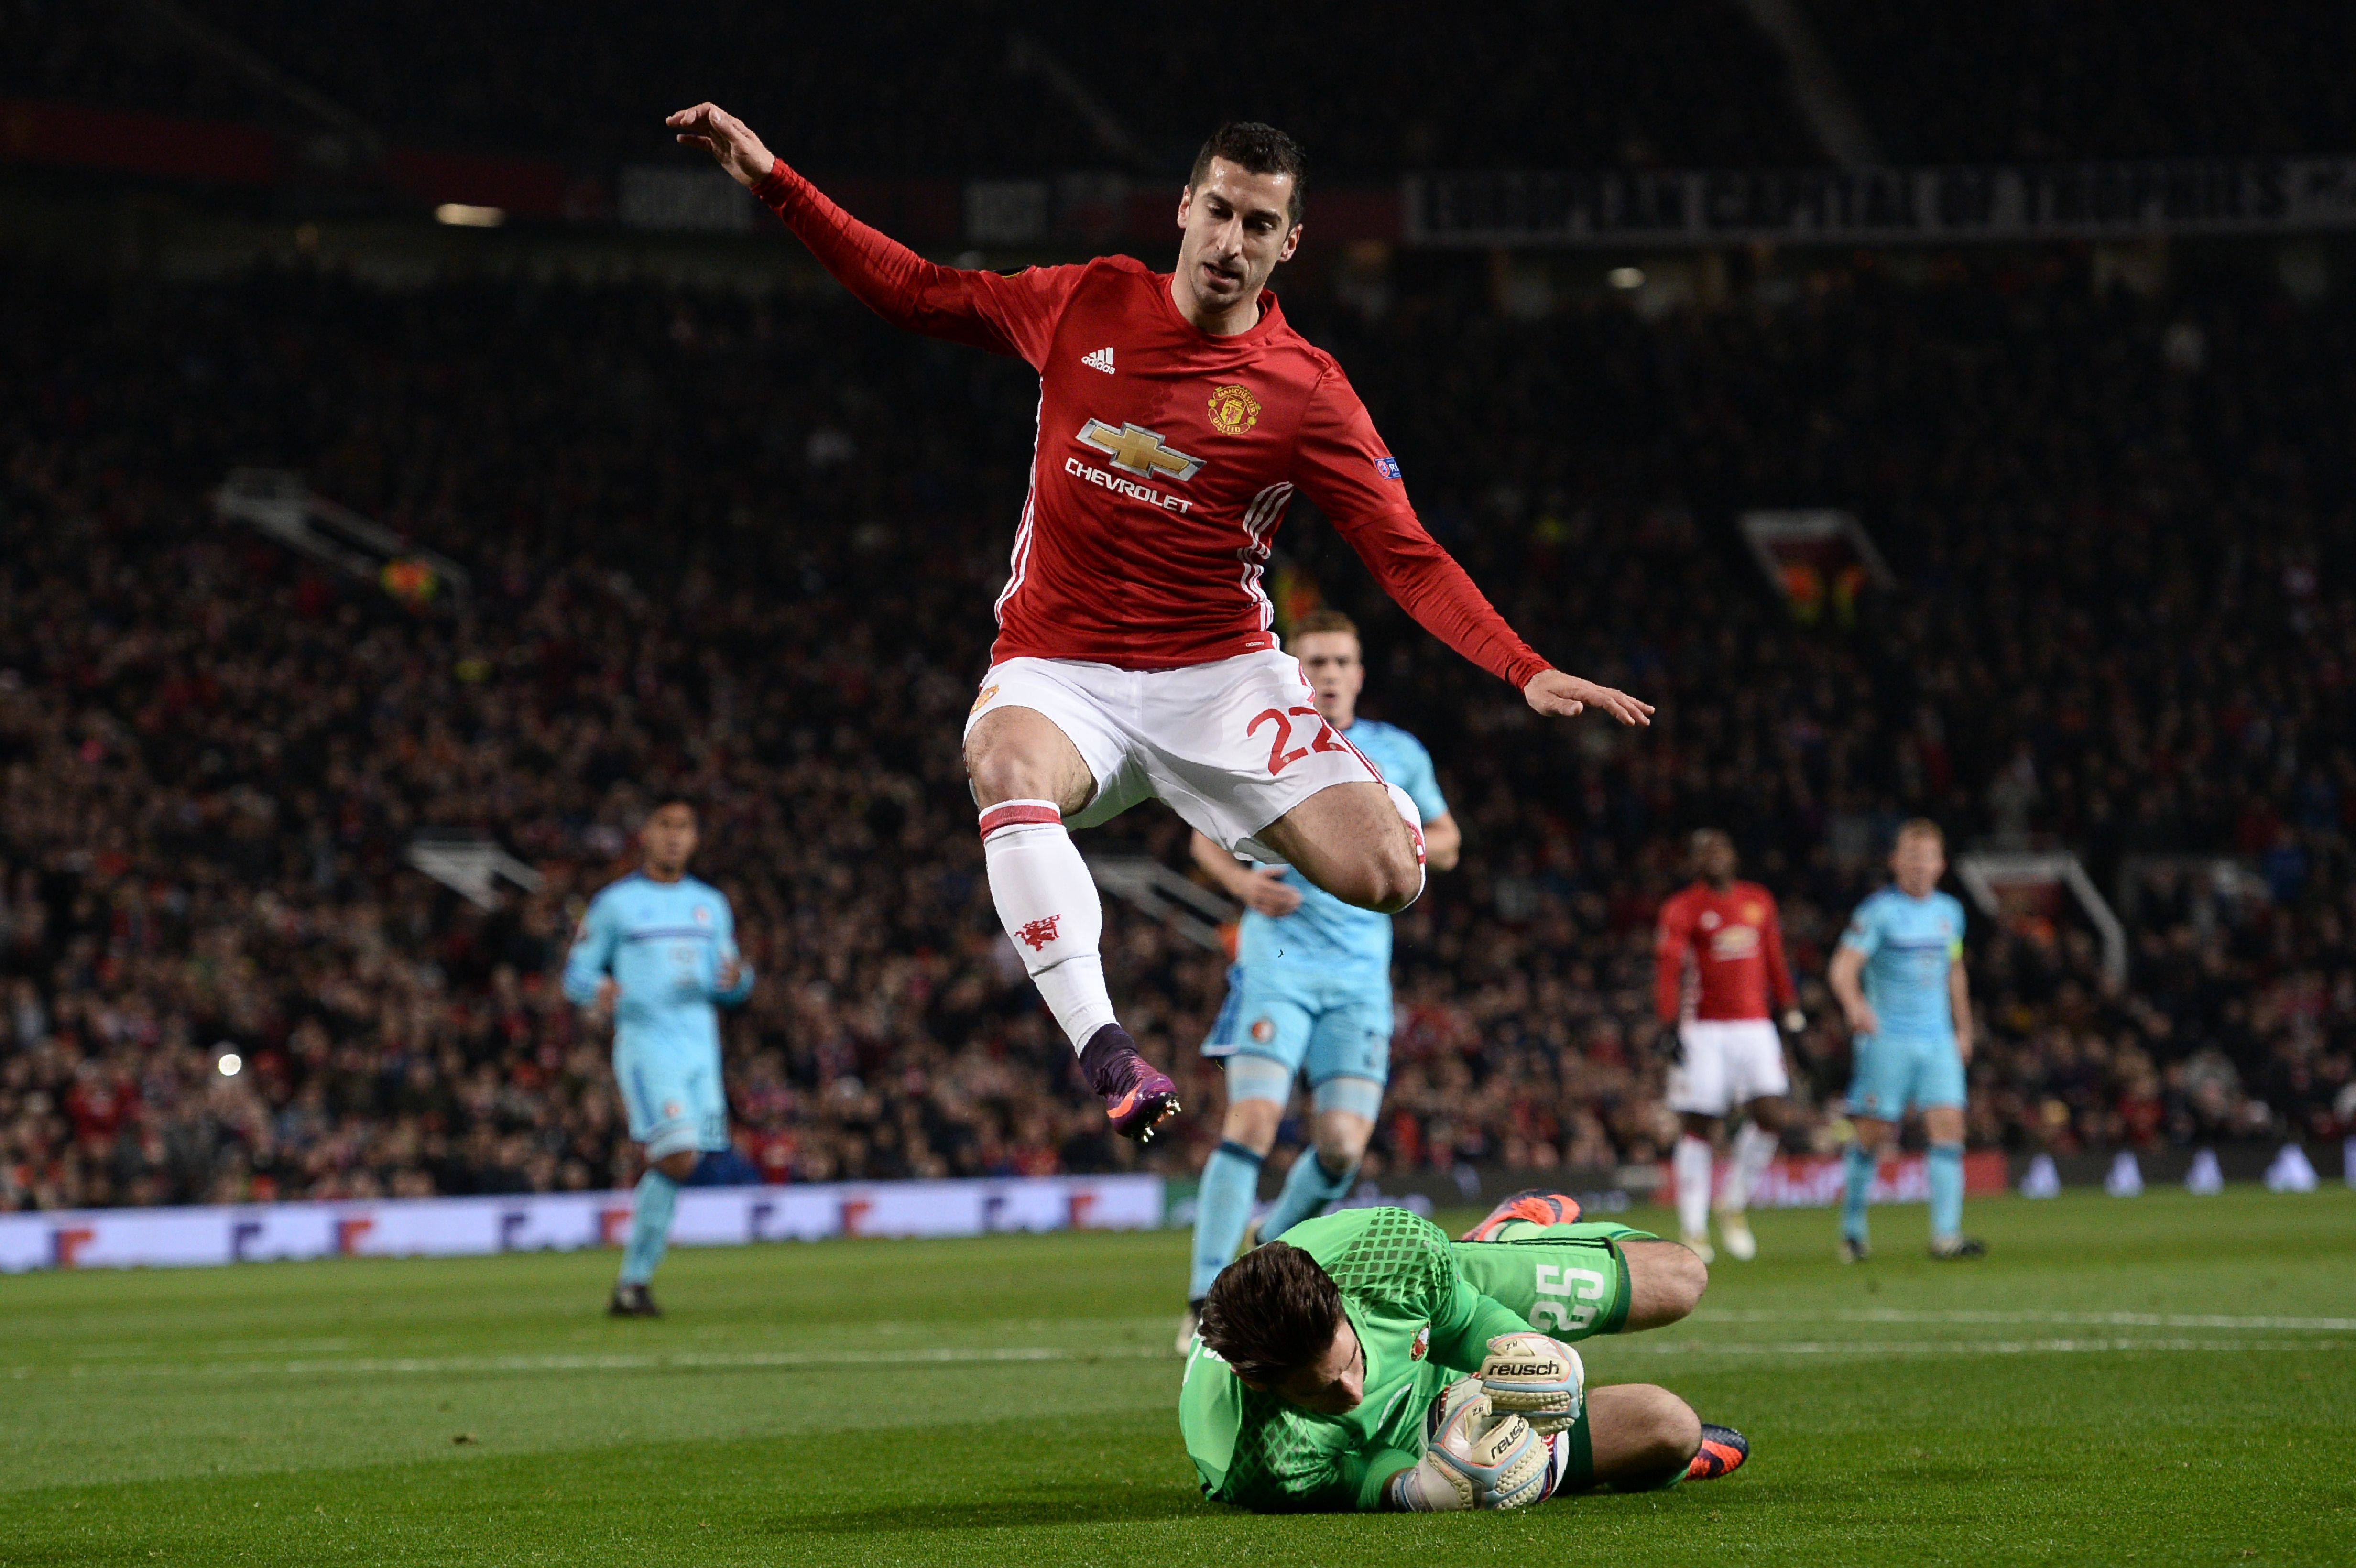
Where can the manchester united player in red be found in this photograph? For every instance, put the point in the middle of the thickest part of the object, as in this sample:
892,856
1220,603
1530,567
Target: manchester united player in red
1724,933
1178,414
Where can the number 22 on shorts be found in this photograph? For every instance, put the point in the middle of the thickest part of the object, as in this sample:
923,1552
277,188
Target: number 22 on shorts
1568,1297
1279,756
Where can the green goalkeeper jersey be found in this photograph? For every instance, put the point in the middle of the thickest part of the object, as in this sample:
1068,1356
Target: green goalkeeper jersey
1422,1324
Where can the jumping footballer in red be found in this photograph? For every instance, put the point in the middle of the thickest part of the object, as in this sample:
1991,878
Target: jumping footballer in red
1724,936
1178,415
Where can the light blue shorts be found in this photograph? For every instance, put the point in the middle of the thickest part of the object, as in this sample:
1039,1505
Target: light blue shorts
1889,1076
674,1096
1305,1022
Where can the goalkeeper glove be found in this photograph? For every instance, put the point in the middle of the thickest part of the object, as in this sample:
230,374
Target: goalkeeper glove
1540,1379
1475,1460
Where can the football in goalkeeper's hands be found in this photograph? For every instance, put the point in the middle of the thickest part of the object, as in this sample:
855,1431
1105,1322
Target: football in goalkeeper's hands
1476,1457
1538,1379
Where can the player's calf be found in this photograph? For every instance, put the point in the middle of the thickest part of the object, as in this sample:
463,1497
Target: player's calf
1643,1435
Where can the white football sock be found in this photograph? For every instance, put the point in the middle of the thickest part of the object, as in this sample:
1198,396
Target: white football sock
1048,903
1754,1147
1691,1163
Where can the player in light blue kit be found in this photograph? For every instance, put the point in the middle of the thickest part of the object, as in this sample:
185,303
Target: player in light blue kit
1913,1019
657,951
1310,992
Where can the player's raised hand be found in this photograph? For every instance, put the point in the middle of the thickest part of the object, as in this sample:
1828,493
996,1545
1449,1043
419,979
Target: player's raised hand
1564,695
729,140
1268,892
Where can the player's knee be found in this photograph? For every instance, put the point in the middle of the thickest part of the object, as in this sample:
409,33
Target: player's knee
1252,1123
1668,1279
1667,1431
1016,755
1392,875
998,771
1340,1151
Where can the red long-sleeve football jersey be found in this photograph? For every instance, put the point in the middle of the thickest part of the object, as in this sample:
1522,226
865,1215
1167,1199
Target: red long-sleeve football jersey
1736,943
1165,456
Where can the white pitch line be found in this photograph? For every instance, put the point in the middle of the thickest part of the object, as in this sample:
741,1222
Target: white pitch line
373,1366
685,1361
2086,1319
1958,1347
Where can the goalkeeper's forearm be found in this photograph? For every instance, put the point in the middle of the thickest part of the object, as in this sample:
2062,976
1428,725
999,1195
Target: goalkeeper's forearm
1384,1478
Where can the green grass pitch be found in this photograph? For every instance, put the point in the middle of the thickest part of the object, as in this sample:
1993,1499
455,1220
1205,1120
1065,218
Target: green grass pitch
2162,1380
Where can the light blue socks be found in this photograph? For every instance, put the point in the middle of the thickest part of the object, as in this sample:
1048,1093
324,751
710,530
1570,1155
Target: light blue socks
1946,1169
1308,1188
650,1227
1857,1180
1223,1207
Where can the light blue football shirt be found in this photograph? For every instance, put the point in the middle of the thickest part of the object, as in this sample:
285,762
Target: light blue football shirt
1324,933
664,943
1909,943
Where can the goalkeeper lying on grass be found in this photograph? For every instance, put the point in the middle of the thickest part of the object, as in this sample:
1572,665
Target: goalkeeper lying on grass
1366,1361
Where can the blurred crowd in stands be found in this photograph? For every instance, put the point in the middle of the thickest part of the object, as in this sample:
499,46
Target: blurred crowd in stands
951,89
745,548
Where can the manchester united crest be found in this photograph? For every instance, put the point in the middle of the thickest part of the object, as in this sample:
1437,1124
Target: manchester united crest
1232,409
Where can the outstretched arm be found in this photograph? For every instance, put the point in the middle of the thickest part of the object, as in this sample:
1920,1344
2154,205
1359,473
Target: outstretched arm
1345,468
987,310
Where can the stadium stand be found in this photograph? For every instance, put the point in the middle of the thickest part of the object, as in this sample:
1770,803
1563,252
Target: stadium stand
744,546
2027,80
940,89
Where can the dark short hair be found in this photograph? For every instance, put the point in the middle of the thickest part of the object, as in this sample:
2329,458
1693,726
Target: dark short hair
1256,149
1271,1311
674,797
1318,621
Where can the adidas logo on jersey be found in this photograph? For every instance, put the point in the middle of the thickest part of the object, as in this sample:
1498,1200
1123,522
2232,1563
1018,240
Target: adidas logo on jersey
1099,361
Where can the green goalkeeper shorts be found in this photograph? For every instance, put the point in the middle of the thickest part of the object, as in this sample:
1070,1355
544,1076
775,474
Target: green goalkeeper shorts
1567,1281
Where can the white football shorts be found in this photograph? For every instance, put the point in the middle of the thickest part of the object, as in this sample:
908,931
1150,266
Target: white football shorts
1726,1062
1230,745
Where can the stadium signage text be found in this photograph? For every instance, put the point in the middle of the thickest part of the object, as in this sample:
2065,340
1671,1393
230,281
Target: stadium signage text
2055,201
562,1222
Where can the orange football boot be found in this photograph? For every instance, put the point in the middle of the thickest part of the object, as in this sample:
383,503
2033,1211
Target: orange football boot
1537,1206
1721,1453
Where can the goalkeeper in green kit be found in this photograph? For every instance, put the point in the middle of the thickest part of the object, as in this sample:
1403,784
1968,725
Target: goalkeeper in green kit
1367,1361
